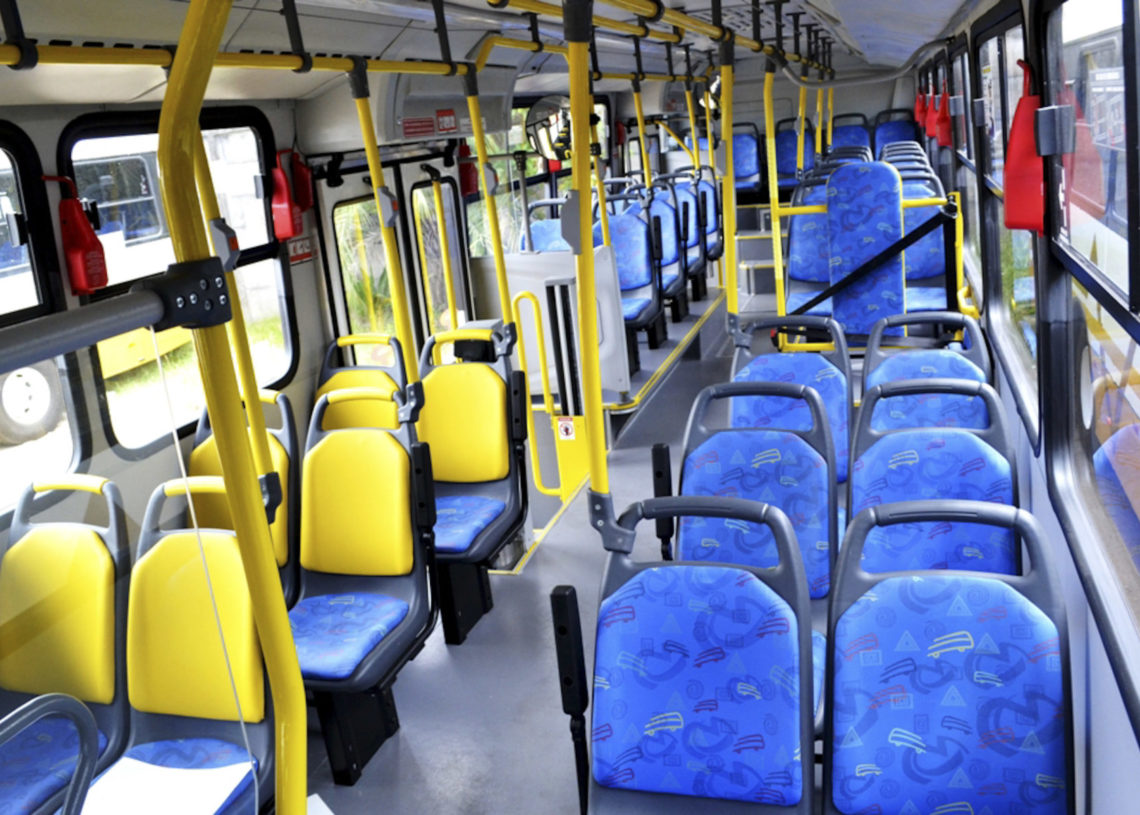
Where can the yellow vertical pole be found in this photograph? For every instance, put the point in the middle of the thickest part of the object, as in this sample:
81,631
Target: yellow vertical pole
177,136
800,130
695,151
386,210
642,136
819,122
480,139
599,172
830,115
773,184
576,19
445,253
235,328
726,81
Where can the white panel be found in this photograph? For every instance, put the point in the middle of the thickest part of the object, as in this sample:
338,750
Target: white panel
78,84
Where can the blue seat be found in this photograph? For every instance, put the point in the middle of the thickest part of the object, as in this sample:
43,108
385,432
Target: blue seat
676,707
927,258
890,132
941,361
692,239
547,236
633,254
460,518
334,632
746,161
1116,464
864,217
808,255
714,244
38,763
633,307
934,463
850,136
794,471
786,164
798,298
663,215
950,692
828,372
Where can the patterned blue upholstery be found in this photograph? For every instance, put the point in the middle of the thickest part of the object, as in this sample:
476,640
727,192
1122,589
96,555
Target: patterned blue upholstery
808,256
798,298
712,212
670,238
927,258
914,465
685,195
460,518
850,136
1117,467
928,409
818,666
670,277
634,307
775,467
793,414
786,153
629,236
948,699
889,132
547,236
38,763
677,707
925,298
745,159
334,632
864,217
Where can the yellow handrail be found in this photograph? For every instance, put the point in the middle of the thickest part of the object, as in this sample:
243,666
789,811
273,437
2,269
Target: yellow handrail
177,136
830,116
728,186
76,482
641,135
547,399
600,184
445,253
800,130
690,108
819,122
490,209
774,190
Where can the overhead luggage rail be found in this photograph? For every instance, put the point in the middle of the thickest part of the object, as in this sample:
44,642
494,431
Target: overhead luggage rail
887,625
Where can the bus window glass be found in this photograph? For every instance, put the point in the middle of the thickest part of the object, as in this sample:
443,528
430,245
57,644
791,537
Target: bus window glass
363,267
968,187
1013,49
18,288
1106,440
36,438
963,131
431,258
1086,71
990,69
1017,286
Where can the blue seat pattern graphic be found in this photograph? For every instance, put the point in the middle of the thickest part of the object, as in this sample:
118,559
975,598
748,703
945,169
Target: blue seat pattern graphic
925,298
948,699
696,687
850,136
629,236
1117,467
864,217
775,467
460,518
38,763
793,414
786,156
661,208
798,298
745,159
914,465
634,307
889,132
808,255
334,632
927,258
547,236
928,409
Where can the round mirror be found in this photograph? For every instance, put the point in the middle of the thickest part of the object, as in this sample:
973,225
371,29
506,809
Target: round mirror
548,127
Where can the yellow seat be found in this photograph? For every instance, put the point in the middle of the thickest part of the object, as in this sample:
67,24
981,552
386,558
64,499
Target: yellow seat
381,368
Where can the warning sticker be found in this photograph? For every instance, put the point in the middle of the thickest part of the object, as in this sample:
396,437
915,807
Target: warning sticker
416,126
445,121
566,428
300,249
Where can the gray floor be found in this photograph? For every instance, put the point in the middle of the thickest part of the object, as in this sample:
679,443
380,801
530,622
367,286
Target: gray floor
482,730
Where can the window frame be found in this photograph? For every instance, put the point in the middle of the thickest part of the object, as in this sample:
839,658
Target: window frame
105,125
447,182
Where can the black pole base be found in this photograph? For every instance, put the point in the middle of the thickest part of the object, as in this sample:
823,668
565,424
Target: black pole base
465,596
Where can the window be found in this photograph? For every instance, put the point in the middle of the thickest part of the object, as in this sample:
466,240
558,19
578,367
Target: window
963,127
431,257
363,267
1086,71
989,61
18,289
118,169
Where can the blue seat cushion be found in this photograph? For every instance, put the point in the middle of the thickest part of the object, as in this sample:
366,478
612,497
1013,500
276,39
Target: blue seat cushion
927,258
334,632
211,776
925,298
629,236
947,689
850,136
460,518
547,236
798,298
808,257
775,412
919,465
928,409
696,687
38,763
787,182
745,156
1117,467
633,307
891,132
669,278
775,467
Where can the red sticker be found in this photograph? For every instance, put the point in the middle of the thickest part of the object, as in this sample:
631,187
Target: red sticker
418,126
300,249
445,121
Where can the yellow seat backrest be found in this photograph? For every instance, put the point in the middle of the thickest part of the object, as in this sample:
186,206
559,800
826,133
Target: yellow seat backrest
57,614
214,510
464,422
361,412
356,505
175,661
